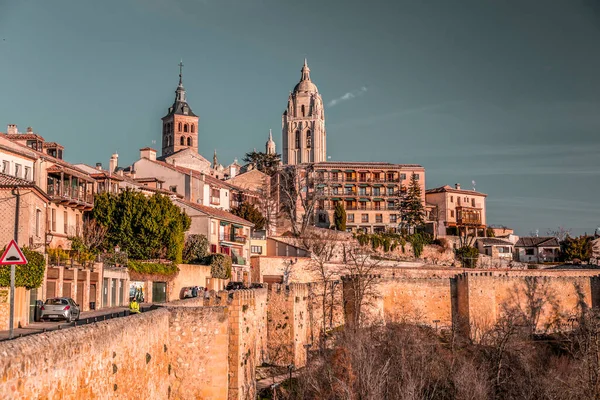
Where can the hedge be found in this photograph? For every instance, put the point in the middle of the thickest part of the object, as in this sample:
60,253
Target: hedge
30,275
167,270
220,266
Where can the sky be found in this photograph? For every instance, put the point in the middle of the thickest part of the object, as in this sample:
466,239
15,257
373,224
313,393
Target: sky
502,93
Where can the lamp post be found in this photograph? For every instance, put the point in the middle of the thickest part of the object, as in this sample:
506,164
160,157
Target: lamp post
435,321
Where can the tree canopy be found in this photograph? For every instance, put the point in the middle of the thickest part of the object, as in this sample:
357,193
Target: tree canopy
249,212
339,217
145,227
264,162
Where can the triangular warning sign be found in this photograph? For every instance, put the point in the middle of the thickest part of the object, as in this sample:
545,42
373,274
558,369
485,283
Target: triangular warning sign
13,255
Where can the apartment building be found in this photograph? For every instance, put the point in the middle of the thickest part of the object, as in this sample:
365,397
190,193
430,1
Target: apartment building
369,191
457,211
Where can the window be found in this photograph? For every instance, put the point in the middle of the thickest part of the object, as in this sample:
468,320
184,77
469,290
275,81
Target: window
303,110
38,223
18,170
452,213
390,191
193,128
182,140
350,217
297,139
376,191
363,176
503,250
308,139
180,126
173,189
53,220
364,217
348,191
393,218
362,191
323,218
28,173
185,128
256,249
529,252
66,222
473,202
390,205
334,176
416,176
336,190
402,176
378,218
189,141
5,167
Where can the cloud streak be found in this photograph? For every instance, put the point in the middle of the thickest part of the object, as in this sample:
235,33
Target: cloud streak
347,96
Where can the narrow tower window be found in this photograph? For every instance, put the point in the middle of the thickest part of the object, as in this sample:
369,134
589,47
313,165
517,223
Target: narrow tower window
303,111
189,141
182,141
180,125
297,139
308,139
185,128
193,128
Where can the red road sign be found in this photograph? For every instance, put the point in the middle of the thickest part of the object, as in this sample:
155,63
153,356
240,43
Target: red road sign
13,255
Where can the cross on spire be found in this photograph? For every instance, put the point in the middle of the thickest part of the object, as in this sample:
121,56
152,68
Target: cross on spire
180,70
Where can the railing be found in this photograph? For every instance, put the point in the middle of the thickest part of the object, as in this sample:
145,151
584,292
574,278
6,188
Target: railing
239,239
361,208
215,200
69,193
361,180
238,260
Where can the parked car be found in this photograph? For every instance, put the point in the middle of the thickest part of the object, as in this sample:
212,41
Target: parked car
235,286
188,292
60,308
257,285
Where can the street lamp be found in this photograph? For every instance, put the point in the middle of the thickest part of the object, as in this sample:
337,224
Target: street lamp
435,321
291,367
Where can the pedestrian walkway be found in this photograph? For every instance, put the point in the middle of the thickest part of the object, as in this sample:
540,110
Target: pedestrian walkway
86,317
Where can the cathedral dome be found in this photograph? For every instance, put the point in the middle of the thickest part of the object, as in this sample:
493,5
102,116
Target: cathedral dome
305,84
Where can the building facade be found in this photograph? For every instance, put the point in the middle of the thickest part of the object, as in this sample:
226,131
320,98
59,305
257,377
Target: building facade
303,124
457,211
369,191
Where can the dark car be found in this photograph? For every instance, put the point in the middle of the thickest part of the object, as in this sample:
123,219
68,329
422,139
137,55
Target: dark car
235,286
257,285
60,308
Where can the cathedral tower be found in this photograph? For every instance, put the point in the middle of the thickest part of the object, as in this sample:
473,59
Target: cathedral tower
303,124
180,125
270,145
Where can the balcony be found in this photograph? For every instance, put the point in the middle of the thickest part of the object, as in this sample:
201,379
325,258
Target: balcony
468,216
71,196
238,260
215,200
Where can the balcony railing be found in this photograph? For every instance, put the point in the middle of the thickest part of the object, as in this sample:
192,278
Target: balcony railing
361,180
359,208
215,200
65,192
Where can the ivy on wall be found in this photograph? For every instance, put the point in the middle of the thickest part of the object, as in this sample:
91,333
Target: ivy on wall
220,266
167,270
30,275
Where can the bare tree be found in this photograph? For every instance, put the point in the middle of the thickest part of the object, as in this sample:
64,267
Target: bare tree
299,196
561,233
361,271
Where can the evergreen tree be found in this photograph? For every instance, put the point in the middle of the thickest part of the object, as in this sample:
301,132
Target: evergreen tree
250,213
339,217
264,162
411,206
144,227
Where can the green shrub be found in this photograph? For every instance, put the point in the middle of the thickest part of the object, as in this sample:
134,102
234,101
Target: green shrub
152,268
195,249
220,266
468,256
30,275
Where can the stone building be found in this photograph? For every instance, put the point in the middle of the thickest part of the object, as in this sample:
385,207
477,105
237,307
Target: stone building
369,191
537,249
303,124
456,210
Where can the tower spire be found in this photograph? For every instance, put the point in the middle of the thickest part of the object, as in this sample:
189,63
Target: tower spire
180,72
305,72
270,134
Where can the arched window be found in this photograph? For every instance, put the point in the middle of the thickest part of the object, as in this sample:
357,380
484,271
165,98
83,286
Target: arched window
185,128
170,127
297,139
182,141
308,139
303,111
180,127
193,128
189,141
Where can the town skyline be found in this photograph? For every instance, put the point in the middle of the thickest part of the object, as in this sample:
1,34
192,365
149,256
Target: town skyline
539,176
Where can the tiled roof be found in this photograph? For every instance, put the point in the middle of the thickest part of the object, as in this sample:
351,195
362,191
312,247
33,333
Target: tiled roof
216,213
23,136
494,242
53,144
106,175
537,241
450,189
357,164
9,182
148,148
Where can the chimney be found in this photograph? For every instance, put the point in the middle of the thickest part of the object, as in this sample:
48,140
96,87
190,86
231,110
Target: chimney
457,186
11,129
99,166
114,163
148,153
29,129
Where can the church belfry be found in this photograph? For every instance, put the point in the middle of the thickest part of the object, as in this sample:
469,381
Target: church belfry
303,124
180,125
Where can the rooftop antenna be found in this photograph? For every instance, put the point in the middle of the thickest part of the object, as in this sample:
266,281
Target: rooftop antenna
473,182
537,232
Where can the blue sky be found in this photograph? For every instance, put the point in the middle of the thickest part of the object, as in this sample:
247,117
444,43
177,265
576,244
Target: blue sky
505,93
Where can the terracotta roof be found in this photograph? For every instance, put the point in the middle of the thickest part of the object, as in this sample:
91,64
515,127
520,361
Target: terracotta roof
538,241
106,175
53,144
148,148
494,242
141,180
9,182
364,164
216,213
23,136
450,189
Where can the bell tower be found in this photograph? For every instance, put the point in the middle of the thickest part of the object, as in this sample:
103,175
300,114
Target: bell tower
303,124
180,125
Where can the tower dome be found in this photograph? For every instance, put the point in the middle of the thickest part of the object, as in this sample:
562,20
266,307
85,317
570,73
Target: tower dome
305,84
